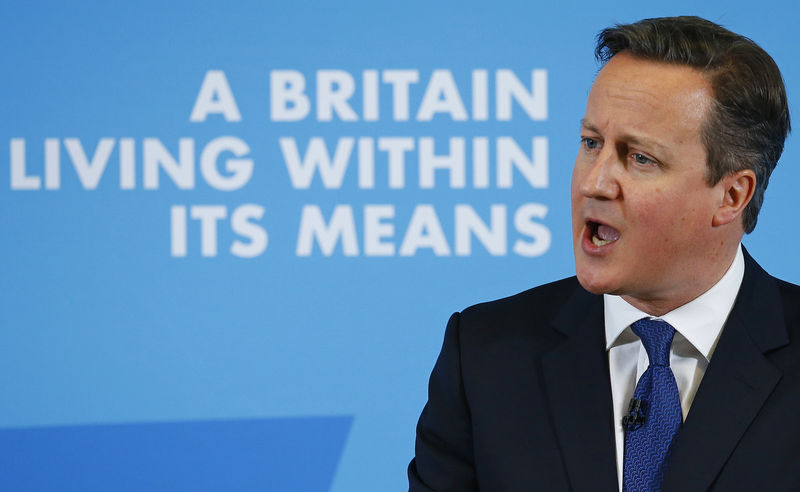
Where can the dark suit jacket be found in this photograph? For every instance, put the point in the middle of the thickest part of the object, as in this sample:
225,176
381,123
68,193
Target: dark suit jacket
520,399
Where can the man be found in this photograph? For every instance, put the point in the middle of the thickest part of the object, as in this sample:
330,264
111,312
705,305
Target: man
672,361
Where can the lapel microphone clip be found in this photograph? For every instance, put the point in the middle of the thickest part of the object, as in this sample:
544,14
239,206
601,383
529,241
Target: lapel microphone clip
636,414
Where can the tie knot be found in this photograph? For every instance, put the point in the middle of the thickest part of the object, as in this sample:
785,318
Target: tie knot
656,336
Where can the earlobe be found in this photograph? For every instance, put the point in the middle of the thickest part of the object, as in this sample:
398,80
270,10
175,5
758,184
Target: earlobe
738,189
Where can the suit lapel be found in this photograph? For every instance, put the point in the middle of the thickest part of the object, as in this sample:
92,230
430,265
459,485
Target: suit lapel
579,394
737,382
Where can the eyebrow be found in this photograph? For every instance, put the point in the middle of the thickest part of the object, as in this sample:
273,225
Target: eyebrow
634,139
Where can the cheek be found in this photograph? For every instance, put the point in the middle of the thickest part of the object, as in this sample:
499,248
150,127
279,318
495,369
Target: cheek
691,210
573,187
668,225
576,200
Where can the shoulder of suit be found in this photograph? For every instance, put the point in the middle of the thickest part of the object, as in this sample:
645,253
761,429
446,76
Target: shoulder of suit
789,293
788,288
790,298
542,303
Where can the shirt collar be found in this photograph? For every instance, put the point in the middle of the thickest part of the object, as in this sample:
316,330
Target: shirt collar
700,321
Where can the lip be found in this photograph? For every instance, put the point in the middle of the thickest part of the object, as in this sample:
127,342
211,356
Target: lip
588,246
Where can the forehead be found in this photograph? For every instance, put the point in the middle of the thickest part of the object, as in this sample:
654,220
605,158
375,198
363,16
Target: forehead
644,93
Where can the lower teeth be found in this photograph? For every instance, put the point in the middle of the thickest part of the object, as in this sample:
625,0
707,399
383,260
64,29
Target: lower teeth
599,242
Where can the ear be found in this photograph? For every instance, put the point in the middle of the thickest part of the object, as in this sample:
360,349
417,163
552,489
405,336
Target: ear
737,191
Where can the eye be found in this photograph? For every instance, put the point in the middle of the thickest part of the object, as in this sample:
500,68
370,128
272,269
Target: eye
590,143
642,159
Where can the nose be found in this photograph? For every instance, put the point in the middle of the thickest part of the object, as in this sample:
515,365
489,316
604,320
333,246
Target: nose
598,178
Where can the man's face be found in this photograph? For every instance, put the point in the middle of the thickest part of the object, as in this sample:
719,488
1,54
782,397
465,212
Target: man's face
641,209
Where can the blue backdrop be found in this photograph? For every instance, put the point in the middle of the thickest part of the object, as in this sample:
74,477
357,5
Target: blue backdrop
232,233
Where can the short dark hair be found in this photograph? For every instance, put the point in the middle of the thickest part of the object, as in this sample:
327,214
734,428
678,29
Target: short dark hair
749,119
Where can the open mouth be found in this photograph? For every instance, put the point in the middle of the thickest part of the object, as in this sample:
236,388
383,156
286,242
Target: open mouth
602,234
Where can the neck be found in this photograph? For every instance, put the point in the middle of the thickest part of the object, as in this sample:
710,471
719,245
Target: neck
662,303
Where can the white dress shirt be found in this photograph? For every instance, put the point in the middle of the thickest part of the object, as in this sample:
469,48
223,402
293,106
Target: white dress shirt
697,324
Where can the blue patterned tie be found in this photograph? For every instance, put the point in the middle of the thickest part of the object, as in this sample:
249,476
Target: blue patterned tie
652,427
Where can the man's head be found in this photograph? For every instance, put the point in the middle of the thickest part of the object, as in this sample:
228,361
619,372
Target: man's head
683,125
749,120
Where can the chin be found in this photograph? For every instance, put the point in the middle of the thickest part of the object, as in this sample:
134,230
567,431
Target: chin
595,283
593,287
